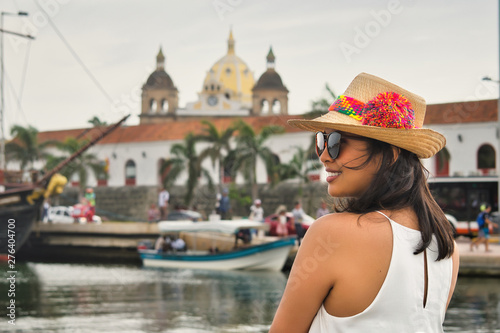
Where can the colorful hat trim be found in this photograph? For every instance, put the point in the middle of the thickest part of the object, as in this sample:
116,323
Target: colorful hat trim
387,109
348,106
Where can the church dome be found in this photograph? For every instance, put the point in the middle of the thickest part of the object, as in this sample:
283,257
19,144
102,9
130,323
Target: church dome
270,80
159,79
230,76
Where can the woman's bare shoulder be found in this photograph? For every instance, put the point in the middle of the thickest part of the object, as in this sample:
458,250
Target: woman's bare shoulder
348,221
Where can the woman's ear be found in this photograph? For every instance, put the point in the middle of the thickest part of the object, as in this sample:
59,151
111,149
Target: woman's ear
395,154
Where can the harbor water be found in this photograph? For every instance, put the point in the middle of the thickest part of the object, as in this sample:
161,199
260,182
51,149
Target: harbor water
52,297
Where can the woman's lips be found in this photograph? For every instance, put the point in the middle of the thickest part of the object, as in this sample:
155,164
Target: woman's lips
332,175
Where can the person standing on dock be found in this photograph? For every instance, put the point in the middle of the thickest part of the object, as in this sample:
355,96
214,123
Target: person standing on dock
153,213
90,197
256,211
298,218
282,226
323,210
483,234
225,205
163,198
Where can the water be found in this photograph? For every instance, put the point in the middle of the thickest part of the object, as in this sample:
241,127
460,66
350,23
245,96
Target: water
126,298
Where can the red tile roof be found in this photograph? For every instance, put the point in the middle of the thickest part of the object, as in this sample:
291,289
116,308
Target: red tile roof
167,131
447,113
461,112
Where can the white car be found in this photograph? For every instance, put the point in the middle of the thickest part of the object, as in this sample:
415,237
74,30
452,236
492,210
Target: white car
64,214
60,214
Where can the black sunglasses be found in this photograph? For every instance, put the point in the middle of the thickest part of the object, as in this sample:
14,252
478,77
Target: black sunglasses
331,142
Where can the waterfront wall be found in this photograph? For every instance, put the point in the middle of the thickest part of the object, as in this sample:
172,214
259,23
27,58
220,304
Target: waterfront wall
132,202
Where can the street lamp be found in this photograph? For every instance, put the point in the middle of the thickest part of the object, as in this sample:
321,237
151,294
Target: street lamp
2,80
497,162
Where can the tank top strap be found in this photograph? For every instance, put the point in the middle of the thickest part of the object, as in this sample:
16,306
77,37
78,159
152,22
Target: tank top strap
387,217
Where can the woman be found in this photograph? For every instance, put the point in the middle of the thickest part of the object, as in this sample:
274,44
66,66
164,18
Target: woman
281,226
386,262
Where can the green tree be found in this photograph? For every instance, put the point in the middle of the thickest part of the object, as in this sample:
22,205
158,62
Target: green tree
301,165
249,147
80,165
97,122
25,148
219,141
185,159
320,106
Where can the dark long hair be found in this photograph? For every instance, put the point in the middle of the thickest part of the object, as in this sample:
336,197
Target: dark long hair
401,182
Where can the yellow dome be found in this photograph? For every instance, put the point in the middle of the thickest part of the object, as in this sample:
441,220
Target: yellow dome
231,76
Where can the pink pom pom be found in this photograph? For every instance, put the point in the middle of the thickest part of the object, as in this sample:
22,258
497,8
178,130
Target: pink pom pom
390,110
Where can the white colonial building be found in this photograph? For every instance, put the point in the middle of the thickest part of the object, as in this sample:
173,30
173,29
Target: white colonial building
229,91
134,153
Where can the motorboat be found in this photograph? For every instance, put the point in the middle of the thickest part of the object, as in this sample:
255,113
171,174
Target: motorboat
260,254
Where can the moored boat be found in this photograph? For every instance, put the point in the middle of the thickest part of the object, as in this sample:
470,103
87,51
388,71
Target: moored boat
20,205
268,255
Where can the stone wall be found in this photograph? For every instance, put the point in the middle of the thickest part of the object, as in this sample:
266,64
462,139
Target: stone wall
130,203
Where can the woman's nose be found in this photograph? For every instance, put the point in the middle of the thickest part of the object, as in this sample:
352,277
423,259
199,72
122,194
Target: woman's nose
325,157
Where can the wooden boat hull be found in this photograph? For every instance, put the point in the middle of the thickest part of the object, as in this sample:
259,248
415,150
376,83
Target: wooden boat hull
22,203
268,256
18,216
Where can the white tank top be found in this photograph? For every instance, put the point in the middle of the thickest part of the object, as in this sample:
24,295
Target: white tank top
398,306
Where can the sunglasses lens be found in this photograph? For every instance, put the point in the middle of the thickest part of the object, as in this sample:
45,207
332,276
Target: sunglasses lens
333,144
320,143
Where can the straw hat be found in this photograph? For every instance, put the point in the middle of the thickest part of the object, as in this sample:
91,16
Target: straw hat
377,109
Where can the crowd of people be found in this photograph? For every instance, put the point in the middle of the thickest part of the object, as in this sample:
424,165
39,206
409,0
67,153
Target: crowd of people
164,244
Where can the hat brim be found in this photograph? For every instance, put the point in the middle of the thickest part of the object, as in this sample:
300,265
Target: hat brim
423,142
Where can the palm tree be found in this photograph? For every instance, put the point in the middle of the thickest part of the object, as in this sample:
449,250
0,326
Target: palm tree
97,122
249,147
25,147
320,107
80,165
219,141
185,158
301,165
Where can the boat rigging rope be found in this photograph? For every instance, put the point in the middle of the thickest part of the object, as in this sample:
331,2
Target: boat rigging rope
74,54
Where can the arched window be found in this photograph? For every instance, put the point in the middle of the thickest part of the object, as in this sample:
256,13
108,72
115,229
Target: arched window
264,106
276,108
75,179
130,172
152,106
164,106
486,158
442,163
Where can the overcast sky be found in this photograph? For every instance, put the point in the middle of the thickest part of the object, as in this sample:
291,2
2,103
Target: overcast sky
438,49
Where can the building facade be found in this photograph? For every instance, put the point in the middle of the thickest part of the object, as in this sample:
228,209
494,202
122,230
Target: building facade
228,92
135,153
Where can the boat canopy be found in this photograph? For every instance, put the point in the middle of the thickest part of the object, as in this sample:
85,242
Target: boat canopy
223,226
